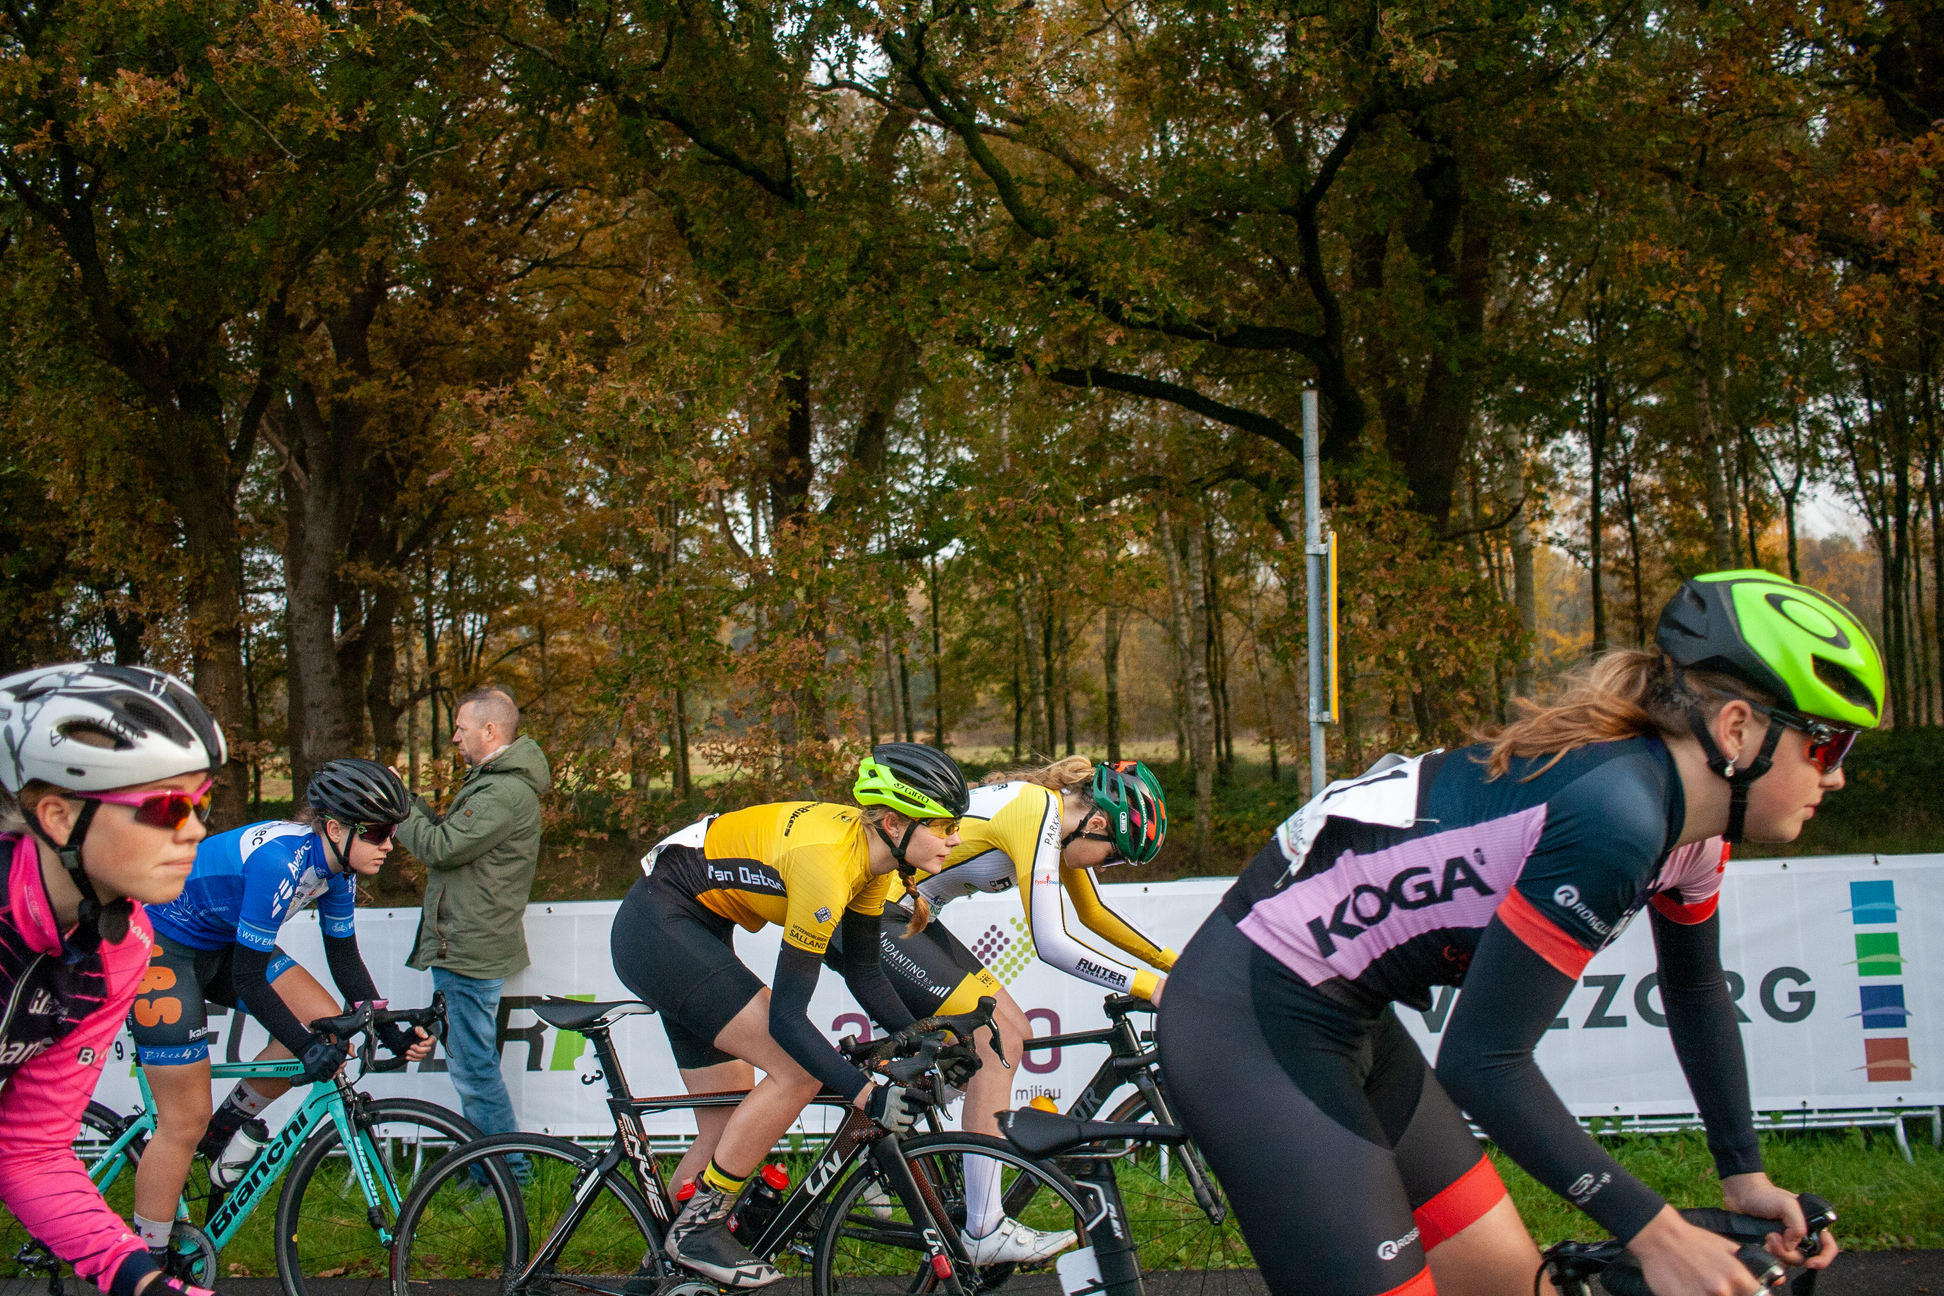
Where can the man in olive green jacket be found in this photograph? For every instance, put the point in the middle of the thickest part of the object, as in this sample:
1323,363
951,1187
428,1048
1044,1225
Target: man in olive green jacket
479,858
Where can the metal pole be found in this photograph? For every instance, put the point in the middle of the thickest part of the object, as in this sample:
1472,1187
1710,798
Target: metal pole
1314,549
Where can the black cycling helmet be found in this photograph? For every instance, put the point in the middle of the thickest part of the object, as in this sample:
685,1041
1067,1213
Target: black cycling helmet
917,781
361,792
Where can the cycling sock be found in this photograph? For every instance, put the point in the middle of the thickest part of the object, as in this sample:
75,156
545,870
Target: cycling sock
154,1236
247,1100
236,1111
722,1181
983,1207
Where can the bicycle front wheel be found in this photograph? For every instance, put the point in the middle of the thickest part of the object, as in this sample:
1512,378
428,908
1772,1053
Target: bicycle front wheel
591,1237
327,1227
870,1245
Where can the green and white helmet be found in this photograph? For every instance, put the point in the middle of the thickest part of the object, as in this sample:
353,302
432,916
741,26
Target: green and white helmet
1802,647
1130,796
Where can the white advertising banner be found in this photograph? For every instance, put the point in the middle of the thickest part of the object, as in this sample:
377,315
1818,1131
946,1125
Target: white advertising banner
1825,958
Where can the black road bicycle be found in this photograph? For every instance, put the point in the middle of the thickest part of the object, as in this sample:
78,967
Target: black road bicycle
873,1212
1573,1266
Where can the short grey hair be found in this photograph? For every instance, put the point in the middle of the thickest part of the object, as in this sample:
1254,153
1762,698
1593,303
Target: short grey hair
495,707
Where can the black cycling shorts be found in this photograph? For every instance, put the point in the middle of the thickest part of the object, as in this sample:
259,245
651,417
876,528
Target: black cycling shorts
168,1020
680,959
932,971
1342,1156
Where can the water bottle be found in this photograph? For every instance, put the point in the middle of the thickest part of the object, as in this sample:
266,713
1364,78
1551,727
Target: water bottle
759,1203
227,1170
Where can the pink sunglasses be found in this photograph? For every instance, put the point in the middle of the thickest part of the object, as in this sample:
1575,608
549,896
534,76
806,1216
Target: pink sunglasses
169,808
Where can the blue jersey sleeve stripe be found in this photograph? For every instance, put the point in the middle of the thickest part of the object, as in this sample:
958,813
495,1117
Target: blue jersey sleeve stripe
251,936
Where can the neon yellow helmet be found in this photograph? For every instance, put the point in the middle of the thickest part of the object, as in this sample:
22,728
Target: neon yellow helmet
917,781
1797,644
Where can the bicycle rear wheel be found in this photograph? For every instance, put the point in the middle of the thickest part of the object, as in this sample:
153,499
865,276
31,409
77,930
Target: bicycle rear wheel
1183,1251
870,1245
454,1236
325,1224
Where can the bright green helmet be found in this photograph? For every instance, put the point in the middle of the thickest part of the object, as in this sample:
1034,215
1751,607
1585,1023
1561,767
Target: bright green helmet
1803,647
917,781
1130,796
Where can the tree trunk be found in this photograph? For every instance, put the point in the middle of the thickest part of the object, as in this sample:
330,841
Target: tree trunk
1525,587
684,782
1191,612
380,617
1596,439
1032,650
1110,673
1066,679
1713,470
938,659
317,522
1049,674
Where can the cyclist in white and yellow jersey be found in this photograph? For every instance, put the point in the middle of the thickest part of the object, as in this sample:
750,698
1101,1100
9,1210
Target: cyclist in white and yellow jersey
1041,832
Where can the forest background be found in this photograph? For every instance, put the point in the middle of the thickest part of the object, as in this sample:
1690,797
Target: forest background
742,383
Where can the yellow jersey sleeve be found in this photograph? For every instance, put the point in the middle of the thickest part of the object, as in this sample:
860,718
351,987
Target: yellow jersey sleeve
817,897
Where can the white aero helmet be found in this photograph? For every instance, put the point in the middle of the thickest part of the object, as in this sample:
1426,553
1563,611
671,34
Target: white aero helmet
139,725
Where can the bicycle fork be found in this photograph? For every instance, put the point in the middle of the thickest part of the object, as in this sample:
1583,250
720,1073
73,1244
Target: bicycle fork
1116,1268
912,1187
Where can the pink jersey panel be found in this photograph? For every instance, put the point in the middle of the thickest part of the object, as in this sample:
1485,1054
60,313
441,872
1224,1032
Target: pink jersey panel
42,1182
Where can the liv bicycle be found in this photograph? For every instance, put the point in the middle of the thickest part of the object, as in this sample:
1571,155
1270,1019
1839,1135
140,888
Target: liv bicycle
871,1213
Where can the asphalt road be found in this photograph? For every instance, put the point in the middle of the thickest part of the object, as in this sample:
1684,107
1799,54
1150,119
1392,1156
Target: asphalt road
1864,1273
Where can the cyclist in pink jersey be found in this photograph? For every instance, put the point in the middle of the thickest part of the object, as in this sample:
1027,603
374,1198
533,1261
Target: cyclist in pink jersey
107,774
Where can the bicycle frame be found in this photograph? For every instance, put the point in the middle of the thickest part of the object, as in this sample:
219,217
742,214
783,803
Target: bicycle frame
325,1102
1130,1061
854,1136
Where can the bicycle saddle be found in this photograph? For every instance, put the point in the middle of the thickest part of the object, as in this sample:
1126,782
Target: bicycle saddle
576,1014
1041,1134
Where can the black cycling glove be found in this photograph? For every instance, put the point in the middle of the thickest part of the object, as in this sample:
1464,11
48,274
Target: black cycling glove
322,1057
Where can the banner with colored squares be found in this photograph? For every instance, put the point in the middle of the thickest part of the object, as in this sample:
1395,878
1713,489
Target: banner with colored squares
1880,969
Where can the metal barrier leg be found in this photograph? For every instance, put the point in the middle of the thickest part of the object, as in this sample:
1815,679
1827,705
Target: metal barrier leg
1903,1140
1937,1127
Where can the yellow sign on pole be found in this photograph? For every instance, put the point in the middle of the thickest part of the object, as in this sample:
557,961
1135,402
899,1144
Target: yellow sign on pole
1335,714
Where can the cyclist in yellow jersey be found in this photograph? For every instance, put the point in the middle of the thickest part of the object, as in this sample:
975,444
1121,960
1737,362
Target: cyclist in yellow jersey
1041,832
812,869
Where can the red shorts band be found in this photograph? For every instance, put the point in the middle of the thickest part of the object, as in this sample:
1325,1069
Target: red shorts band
1459,1206
1419,1284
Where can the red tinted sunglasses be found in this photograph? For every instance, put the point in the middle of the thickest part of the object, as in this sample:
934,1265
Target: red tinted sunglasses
167,809
1828,743
376,834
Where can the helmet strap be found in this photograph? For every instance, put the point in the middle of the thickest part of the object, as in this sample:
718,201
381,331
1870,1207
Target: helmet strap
1087,811
1738,779
97,921
343,857
898,847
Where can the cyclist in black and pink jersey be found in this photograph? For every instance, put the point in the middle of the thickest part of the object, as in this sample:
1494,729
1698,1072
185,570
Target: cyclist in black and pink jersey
1504,867
108,774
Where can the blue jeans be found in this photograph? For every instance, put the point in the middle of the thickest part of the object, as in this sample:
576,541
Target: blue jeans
472,1052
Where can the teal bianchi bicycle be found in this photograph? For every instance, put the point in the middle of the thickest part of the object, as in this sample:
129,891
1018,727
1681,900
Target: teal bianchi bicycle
346,1160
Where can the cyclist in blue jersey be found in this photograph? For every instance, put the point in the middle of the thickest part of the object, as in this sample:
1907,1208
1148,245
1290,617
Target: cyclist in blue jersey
1504,867
218,942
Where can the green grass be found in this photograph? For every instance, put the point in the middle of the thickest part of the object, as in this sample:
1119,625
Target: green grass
1882,1200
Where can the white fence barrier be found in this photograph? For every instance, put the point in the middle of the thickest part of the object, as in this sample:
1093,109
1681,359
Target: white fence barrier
1826,958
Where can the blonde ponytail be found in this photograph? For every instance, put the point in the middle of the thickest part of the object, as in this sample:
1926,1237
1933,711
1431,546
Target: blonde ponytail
1069,774
1626,693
